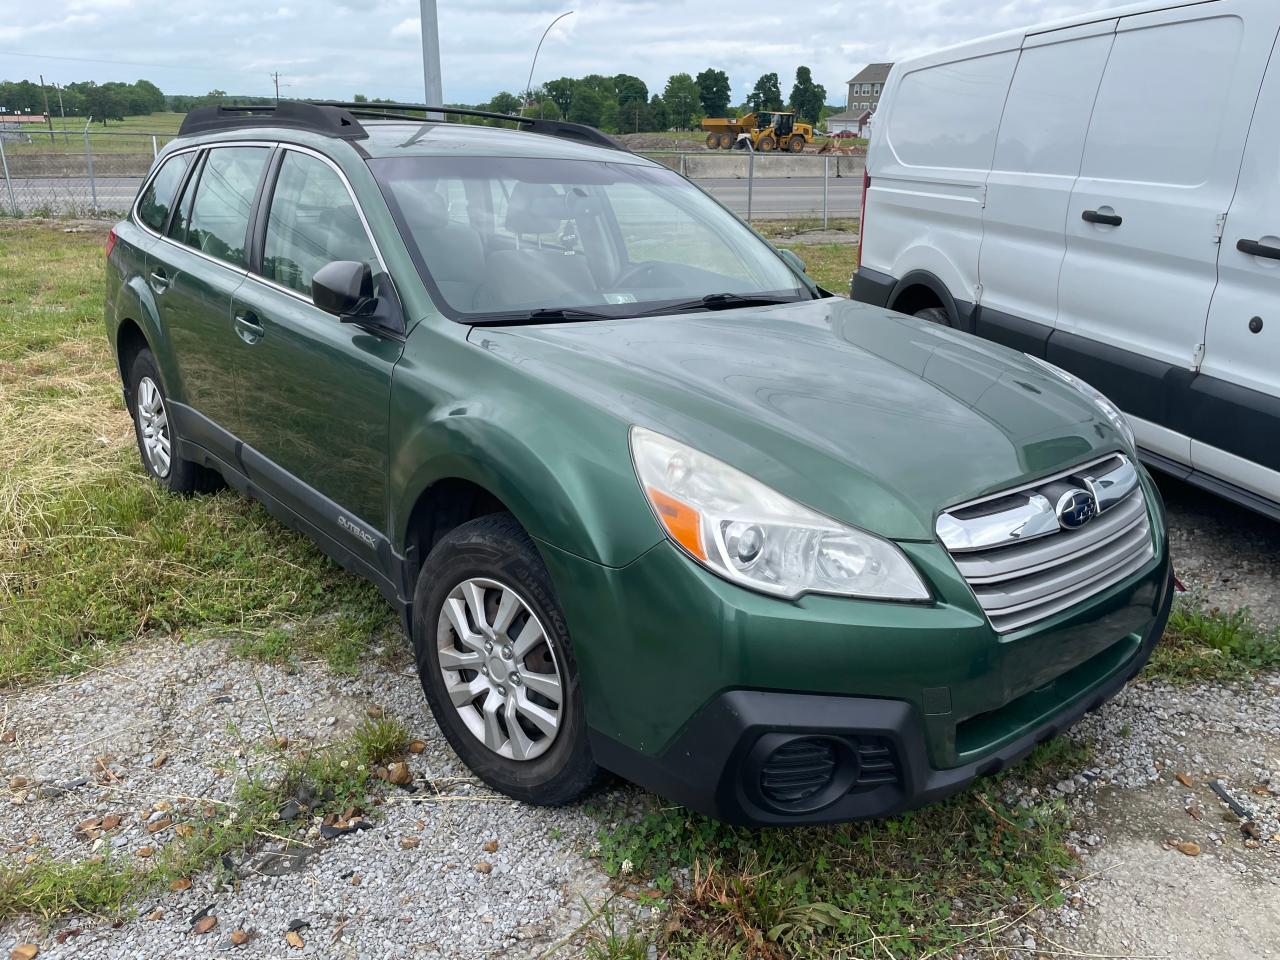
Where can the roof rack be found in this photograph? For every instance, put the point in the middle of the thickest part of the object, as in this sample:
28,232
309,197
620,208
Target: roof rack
294,114
552,128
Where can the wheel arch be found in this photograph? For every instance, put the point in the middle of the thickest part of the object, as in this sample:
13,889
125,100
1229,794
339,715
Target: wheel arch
138,327
920,289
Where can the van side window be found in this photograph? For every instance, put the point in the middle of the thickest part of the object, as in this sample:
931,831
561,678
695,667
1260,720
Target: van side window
1139,130
932,127
224,197
313,221
157,199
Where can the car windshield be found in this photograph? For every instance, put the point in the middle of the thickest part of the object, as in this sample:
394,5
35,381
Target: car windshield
509,239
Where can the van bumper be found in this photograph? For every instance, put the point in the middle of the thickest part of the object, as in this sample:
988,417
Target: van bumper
871,286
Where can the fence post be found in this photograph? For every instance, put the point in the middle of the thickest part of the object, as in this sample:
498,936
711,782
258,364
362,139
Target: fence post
154,150
682,173
88,158
826,174
9,183
751,178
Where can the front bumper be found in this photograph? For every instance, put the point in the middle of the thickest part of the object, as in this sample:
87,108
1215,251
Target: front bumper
716,763
689,681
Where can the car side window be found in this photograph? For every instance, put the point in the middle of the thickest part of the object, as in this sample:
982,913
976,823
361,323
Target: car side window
224,198
313,221
157,199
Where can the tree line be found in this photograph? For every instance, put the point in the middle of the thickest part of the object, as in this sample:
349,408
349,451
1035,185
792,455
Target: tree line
621,103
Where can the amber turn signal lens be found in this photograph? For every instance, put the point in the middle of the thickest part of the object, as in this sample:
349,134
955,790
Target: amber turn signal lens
681,521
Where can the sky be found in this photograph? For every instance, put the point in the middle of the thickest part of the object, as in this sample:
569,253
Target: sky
337,48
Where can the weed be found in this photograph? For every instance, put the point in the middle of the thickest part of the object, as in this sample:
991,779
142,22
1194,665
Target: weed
881,888
380,741
1203,644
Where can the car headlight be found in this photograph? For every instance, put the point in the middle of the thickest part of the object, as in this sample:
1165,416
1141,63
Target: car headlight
754,536
1109,409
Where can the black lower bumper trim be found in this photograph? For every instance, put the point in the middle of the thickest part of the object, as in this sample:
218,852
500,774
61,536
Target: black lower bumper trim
704,768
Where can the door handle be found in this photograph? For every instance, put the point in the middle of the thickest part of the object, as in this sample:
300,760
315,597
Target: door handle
1106,219
248,328
1256,249
159,279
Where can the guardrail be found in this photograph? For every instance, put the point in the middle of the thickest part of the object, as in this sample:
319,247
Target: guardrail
97,173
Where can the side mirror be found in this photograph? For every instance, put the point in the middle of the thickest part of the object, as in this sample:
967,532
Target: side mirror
344,288
788,255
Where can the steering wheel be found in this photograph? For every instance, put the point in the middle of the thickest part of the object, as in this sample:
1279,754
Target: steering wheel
640,274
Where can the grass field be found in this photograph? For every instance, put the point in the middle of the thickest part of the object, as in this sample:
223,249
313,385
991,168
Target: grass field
130,135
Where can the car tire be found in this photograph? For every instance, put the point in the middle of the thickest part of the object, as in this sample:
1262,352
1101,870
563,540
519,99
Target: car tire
495,703
158,441
936,315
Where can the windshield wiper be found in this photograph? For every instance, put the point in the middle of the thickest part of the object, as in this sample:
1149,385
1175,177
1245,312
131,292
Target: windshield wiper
542,315
721,301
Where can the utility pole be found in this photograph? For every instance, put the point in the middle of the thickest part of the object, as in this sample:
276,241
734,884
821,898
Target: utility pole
431,58
47,118
62,110
276,77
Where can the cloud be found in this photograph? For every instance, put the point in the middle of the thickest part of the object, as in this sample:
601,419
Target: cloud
334,48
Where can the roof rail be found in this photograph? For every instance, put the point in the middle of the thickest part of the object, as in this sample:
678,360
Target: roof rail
293,114
551,128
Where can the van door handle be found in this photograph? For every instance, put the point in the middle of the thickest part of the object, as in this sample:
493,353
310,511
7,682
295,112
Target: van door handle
1106,219
248,328
1256,249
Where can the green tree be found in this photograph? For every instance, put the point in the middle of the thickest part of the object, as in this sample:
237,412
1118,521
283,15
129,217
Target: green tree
505,102
359,98
560,93
713,92
681,97
658,119
807,98
628,89
101,103
636,116
610,117
766,94
587,105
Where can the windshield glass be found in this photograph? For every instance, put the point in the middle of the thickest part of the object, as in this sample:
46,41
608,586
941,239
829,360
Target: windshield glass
502,237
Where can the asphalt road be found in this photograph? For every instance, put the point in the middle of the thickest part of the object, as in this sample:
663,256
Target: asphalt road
772,199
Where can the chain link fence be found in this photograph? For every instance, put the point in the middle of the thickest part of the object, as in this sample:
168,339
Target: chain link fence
98,173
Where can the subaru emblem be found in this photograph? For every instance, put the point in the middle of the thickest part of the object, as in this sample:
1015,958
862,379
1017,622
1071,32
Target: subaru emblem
1075,508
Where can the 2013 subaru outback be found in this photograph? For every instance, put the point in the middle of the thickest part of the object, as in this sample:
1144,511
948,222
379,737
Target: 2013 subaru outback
647,499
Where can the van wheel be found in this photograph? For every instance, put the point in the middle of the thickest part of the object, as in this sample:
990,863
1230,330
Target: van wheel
937,315
158,441
496,664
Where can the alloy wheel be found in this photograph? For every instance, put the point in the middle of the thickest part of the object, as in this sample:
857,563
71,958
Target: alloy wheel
499,668
153,425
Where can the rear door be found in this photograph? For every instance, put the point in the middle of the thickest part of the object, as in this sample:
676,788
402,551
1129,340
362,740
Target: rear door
314,391
193,275
1159,169
1037,158
1236,401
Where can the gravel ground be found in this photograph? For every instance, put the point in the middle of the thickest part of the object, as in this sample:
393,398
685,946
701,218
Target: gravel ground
209,713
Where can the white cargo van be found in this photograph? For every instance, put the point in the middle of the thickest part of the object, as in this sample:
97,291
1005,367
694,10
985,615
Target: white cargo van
1103,193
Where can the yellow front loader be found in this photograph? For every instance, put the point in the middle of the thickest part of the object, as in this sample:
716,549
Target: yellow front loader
766,131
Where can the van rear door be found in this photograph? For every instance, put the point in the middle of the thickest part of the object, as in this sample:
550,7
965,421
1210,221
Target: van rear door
1037,158
1235,402
1159,170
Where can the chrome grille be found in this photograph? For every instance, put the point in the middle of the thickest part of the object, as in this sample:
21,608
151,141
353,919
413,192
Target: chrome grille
1024,565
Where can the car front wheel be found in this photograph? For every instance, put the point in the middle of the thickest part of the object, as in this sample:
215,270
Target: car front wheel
496,664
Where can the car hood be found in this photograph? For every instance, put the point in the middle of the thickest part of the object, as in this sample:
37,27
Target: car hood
874,418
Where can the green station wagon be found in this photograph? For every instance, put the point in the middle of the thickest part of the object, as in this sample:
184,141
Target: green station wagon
647,499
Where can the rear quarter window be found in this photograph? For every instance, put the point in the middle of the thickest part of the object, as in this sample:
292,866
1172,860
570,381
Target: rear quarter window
157,199
947,115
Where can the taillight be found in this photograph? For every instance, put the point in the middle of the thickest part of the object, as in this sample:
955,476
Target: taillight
862,220
111,241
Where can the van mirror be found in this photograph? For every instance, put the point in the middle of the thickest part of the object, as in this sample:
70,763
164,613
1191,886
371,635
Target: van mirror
793,261
343,288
